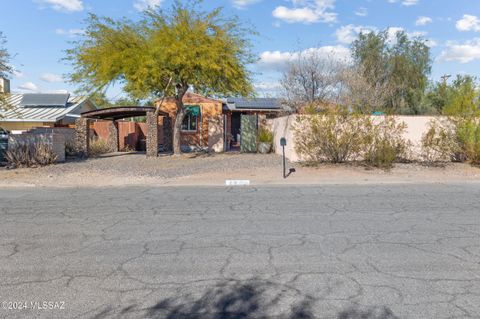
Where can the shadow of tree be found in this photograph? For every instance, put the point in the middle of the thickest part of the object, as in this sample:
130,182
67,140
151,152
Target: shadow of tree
238,300
371,313
252,299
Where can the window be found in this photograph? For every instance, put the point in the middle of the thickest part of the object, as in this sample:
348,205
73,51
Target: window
190,121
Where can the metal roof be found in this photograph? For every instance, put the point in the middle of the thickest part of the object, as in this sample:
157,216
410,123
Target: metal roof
17,113
44,100
253,104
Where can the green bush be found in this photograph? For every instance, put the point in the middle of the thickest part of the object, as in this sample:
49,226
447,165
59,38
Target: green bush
468,137
98,147
454,139
28,154
383,143
333,137
339,137
265,135
439,143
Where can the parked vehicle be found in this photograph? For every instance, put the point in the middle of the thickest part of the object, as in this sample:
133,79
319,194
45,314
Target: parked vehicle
3,144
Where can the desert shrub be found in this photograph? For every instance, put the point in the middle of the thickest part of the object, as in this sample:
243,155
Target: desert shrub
383,143
439,143
28,154
334,137
455,139
265,135
98,147
340,137
468,138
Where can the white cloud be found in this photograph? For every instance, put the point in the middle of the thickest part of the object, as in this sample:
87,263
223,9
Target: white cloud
423,21
461,52
406,3
277,60
63,5
51,78
349,33
142,5
307,11
267,86
468,23
70,32
28,86
361,12
242,4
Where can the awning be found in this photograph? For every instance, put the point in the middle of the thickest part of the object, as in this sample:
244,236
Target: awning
193,110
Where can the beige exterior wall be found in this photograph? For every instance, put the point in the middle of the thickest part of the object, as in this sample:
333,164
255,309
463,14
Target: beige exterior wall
417,126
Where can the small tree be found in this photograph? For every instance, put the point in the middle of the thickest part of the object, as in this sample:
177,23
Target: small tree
5,69
311,80
184,46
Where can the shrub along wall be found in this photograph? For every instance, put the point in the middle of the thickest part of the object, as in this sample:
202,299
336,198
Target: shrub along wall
54,140
415,129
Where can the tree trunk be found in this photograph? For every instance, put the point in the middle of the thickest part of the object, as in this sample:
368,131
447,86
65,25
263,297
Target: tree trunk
177,128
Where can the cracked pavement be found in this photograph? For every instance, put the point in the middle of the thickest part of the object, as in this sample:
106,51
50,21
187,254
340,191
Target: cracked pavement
336,251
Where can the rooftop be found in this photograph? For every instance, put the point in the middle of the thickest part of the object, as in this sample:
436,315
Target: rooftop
40,107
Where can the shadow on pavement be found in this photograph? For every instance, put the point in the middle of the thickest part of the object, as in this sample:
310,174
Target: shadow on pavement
238,300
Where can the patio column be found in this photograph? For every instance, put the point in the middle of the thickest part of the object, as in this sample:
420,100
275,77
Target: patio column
152,134
112,136
82,136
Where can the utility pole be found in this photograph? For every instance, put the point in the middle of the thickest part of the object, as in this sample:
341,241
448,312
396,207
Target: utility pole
445,78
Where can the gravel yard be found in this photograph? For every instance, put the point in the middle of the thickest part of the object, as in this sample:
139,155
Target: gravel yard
214,169
166,166
134,166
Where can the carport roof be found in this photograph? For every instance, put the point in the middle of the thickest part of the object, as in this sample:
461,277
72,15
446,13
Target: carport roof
120,112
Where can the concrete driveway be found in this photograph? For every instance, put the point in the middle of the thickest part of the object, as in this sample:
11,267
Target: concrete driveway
347,252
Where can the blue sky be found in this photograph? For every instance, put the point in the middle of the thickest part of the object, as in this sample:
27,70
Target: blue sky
38,31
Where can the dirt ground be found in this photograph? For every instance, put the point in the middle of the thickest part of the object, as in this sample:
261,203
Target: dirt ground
136,169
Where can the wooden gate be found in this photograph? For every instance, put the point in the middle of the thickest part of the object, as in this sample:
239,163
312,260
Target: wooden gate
248,141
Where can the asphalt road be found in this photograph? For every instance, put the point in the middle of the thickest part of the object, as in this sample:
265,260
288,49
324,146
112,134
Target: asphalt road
346,252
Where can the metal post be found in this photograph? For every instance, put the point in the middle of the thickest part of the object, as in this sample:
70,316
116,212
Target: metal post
283,143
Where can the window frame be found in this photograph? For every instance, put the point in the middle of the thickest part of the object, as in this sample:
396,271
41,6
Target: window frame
189,117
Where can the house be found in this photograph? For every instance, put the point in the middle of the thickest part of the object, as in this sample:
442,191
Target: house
216,124
33,110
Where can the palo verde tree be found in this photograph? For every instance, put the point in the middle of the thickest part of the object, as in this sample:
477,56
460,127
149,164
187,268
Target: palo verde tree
164,54
5,68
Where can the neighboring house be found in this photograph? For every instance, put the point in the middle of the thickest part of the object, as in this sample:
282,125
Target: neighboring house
216,123
28,111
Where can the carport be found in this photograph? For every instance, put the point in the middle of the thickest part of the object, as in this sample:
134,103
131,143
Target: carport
113,114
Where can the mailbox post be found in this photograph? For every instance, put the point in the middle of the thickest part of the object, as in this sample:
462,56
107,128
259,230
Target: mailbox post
283,143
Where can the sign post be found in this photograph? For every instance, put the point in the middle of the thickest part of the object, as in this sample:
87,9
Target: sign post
283,143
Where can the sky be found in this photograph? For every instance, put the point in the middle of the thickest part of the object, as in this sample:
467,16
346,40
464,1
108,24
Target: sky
38,32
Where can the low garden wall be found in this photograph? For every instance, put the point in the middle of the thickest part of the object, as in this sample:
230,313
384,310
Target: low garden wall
56,140
417,126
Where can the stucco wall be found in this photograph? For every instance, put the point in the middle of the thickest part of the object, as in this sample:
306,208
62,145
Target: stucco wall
417,126
209,109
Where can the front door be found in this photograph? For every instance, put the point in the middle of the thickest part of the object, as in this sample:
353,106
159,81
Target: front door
248,140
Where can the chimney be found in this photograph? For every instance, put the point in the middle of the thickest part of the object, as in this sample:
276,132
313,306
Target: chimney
4,85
